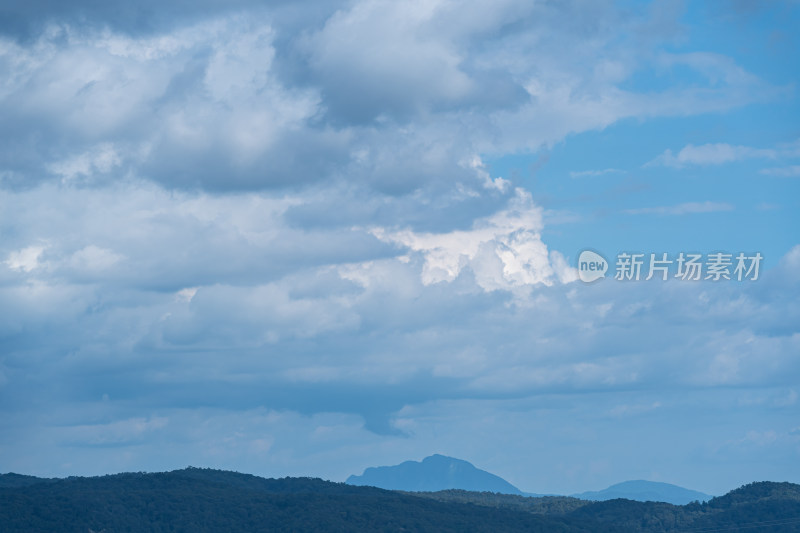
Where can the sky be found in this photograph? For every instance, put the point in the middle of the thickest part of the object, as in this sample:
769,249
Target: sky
292,238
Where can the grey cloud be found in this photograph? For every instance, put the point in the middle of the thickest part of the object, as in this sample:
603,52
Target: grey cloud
384,60
138,235
379,95
443,210
275,343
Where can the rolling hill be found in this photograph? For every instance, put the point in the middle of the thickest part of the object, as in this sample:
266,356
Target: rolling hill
205,500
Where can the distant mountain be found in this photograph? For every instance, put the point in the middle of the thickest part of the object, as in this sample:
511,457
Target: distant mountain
646,491
433,473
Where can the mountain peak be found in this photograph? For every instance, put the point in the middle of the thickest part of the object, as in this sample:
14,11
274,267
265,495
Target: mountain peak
433,473
641,490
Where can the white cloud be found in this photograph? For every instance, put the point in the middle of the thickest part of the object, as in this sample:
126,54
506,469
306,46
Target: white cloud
26,259
502,251
593,173
760,438
783,172
94,258
721,153
715,67
100,159
711,154
683,209
624,410
186,295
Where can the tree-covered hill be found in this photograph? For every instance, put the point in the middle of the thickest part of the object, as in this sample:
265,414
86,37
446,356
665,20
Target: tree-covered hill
18,480
204,500
199,500
757,507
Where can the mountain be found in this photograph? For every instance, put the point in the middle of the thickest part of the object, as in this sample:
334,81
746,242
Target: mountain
205,500
644,491
433,473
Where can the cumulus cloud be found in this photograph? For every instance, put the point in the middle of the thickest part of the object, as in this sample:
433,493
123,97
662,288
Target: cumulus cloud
197,107
229,102
502,251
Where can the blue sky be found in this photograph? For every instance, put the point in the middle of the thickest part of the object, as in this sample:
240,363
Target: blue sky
306,239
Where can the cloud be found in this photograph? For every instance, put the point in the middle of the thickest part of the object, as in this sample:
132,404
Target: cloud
624,410
25,20
139,235
783,172
186,294
502,251
722,153
593,173
407,69
113,433
198,107
25,259
94,258
346,348
683,209
710,154
225,101
101,159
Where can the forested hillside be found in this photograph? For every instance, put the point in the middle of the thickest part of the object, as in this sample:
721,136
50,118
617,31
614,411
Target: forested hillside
204,500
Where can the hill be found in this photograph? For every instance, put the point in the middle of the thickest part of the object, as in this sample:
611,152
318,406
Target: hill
433,473
204,500
646,491
758,507
18,480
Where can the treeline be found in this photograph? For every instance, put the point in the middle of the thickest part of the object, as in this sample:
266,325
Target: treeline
204,500
765,506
